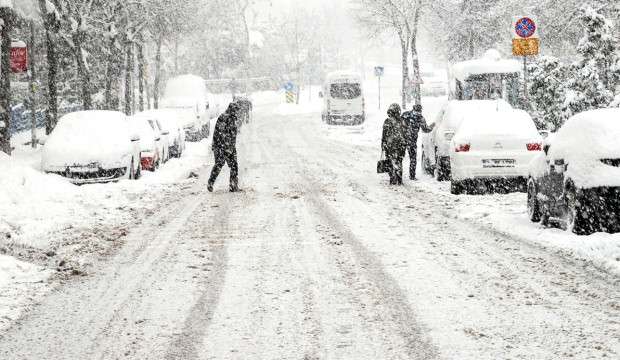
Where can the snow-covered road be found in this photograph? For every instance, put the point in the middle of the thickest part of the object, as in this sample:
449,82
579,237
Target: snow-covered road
320,259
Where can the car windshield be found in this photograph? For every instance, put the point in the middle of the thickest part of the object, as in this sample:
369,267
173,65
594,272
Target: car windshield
346,91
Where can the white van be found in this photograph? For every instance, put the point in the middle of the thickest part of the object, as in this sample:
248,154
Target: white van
187,94
343,99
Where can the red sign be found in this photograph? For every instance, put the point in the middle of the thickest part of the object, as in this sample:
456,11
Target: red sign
19,57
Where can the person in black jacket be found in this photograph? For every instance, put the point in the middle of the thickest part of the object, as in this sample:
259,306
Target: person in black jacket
225,147
414,122
393,143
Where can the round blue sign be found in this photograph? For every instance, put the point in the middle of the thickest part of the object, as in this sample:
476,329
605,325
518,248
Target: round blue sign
289,86
525,27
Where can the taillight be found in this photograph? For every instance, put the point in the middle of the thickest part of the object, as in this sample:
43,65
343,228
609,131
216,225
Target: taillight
463,148
534,147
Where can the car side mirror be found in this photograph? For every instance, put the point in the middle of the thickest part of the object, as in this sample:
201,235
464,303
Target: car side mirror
135,138
165,132
321,94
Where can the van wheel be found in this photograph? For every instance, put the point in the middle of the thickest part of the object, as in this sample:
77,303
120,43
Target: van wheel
533,205
138,173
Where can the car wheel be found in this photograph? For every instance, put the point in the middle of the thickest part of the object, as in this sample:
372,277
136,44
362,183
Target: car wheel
132,170
440,172
575,217
533,205
138,173
426,164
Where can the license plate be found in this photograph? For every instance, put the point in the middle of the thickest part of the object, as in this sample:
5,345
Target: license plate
498,163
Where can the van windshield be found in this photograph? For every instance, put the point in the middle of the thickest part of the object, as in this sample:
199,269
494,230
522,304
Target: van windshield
346,91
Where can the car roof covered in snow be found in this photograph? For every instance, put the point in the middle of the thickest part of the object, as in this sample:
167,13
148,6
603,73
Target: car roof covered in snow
511,122
186,86
490,63
590,135
457,110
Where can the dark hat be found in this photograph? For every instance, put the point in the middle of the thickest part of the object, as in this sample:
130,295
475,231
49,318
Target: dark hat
394,110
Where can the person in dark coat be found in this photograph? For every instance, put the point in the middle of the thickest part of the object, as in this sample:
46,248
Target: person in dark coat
414,122
393,143
225,147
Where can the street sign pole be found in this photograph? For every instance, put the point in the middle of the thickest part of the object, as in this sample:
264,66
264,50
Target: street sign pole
379,70
379,79
525,43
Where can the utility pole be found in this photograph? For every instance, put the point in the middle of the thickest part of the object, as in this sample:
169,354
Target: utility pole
33,86
5,80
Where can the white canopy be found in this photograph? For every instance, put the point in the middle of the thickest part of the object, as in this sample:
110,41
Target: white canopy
490,63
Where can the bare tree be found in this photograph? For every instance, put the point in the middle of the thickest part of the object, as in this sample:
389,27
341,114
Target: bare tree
402,18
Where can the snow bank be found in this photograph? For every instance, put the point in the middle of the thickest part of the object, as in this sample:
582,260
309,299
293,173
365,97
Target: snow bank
20,283
584,141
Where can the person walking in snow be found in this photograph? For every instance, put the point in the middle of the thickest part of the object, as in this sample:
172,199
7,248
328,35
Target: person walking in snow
225,147
393,143
414,122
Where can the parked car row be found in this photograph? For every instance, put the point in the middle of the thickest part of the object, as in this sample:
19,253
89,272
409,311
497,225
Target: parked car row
104,146
572,177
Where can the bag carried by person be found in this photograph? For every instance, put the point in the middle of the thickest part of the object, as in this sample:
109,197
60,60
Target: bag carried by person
383,165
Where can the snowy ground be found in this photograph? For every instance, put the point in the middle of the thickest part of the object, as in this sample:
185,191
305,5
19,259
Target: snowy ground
319,258
59,230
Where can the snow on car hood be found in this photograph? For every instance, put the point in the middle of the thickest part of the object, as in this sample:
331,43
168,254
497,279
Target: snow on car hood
88,137
584,141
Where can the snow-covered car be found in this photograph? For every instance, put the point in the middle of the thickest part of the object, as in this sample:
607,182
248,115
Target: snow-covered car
494,147
436,145
150,139
187,94
577,178
93,147
171,125
162,144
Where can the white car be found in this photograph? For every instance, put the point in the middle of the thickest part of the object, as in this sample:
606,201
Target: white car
493,146
162,144
170,122
93,147
436,144
577,178
150,139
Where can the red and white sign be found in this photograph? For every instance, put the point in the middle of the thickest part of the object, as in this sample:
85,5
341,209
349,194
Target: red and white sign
19,57
525,27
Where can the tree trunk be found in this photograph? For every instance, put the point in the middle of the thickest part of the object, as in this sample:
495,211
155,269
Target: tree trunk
160,41
141,75
51,115
83,72
32,59
405,78
416,60
111,70
128,80
5,81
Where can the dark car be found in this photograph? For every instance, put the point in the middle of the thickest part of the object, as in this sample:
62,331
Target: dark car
576,181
